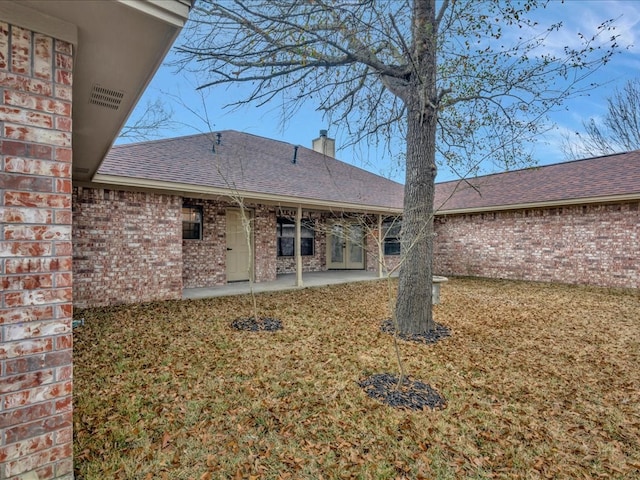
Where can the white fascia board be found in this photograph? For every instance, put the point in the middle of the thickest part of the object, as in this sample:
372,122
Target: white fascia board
184,189
173,12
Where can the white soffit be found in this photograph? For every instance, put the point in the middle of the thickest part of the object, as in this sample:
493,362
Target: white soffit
119,45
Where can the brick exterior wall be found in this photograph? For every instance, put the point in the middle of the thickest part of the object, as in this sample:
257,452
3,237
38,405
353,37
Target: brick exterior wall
318,262
389,262
310,263
140,234
35,255
204,261
264,241
126,247
594,244
582,244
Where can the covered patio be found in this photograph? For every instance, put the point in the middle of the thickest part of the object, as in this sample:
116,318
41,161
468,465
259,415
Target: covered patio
283,282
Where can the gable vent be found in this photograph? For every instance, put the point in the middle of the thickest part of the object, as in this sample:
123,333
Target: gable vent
106,97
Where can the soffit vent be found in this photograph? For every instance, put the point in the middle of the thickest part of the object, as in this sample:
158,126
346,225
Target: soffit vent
106,97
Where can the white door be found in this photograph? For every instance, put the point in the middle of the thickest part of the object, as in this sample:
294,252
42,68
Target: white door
346,247
238,249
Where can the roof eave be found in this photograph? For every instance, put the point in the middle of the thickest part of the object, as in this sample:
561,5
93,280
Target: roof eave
185,189
547,204
174,13
118,46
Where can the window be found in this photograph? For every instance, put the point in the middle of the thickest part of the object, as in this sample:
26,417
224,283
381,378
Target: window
391,230
287,237
191,222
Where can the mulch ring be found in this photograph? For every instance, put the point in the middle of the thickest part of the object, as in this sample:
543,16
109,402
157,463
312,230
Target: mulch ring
432,336
411,395
261,324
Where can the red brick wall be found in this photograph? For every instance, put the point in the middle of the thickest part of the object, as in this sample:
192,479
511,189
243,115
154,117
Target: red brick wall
311,263
35,255
118,232
265,244
389,262
204,260
318,262
127,247
583,244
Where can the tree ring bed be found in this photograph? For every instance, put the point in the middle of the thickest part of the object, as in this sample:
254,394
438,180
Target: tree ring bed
412,394
259,325
438,333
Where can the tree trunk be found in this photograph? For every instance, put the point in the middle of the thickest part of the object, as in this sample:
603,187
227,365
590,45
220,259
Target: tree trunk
413,307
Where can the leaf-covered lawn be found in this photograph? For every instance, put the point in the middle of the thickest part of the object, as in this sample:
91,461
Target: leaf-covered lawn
542,381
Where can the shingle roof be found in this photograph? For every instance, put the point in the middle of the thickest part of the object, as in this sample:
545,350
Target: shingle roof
244,162
589,180
263,167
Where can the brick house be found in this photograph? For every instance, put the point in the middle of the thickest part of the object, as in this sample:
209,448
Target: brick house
573,222
147,226
70,74
165,215
162,216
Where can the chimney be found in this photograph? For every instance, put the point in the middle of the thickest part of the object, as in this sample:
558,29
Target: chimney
325,145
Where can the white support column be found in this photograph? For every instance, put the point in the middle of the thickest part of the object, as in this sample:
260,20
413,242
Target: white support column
298,251
380,247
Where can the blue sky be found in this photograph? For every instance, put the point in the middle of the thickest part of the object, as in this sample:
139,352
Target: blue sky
178,90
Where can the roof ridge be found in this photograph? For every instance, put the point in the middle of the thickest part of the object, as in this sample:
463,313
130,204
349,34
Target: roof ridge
213,133
159,140
195,135
251,163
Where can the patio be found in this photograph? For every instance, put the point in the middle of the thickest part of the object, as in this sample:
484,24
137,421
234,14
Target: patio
283,282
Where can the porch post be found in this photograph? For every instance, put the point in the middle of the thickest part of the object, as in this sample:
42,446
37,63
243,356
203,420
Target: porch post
298,247
380,247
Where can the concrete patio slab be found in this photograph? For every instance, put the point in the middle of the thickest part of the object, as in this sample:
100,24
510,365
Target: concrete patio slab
282,282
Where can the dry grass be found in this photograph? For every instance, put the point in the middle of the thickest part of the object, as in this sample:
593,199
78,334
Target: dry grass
542,381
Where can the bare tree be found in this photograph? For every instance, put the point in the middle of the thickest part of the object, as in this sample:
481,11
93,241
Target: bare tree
618,131
458,80
148,122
